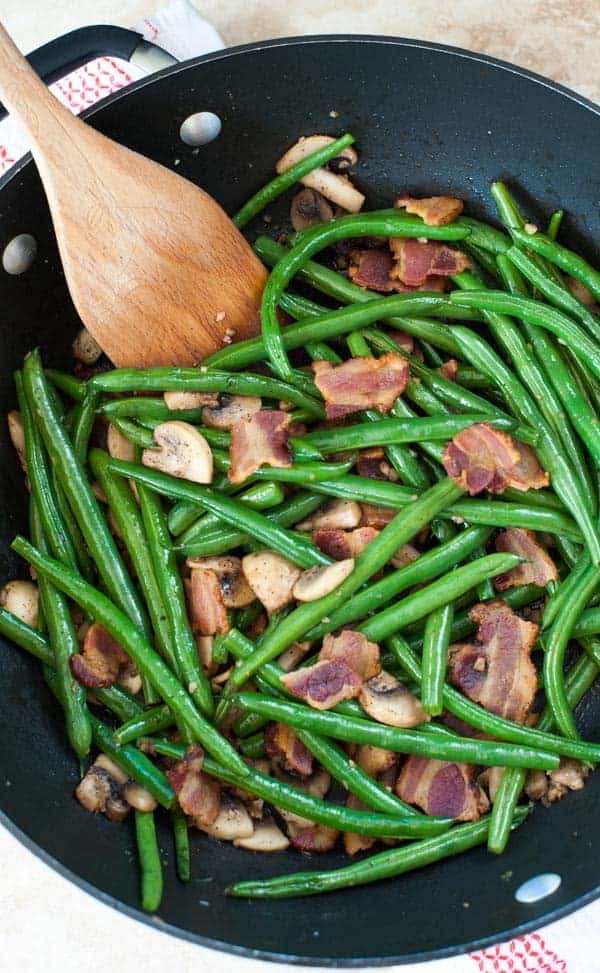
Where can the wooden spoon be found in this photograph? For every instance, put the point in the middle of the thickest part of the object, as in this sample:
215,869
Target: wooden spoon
157,271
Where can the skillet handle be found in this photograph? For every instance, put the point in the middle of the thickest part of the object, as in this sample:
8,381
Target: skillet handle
64,54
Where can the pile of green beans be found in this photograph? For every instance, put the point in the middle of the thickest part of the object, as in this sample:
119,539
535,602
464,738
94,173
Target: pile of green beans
527,363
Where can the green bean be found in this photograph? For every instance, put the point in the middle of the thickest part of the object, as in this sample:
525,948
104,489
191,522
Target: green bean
362,488
199,379
277,792
436,640
384,864
513,220
134,432
182,845
63,641
588,623
144,724
297,508
484,259
556,294
488,753
72,386
497,513
253,746
554,224
437,594
121,703
149,858
184,513
260,496
130,637
562,257
405,525
426,567
26,637
556,645
82,428
304,474
267,194
73,480
320,351
580,678
490,723
84,560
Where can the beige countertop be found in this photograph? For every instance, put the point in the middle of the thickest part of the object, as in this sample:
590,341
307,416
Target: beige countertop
48,924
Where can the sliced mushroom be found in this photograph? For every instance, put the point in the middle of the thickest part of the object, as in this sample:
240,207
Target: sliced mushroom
235,590
85,348
100,791
118,445
272,578
181,451
189,400
21,598
338,514
316,786
293,655
111,767
204,644
386,700
230,409
17,436
353,843
309,208
266,837
375,760
320,581
337,188
405,554
138,797
490,780
232,822
130,679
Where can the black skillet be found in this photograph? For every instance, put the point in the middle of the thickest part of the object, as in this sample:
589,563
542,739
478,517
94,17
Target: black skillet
426,118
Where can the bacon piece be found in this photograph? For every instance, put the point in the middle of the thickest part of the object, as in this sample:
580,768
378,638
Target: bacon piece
496,670
481,458
208,614
537,568
263,438
342,544
101,660
355,650
433,282
325,684
449,369
405,554
316,838
282,743
198,795
361,383
433,210
369,463
416,261
378,517
402,339
442,789
354,843
371,268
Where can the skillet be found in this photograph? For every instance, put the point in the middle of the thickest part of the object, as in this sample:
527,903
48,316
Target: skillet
427,118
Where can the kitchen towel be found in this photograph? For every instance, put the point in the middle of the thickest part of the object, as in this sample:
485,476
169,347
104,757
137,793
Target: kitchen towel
565,946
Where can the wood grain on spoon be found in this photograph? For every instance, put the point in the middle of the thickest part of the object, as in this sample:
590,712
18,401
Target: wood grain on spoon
157,271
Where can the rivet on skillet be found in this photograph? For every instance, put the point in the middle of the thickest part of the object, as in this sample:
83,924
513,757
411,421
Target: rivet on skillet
19,254
538,887
200,129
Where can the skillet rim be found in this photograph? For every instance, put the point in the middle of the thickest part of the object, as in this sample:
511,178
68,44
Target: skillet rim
110,900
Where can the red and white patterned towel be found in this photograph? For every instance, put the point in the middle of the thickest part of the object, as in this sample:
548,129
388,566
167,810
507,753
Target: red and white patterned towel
569,946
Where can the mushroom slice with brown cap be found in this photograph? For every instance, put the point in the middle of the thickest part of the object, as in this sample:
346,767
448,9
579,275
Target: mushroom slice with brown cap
342,514
272,578
21,598
138,797
551,787
266,837
320,581
17,436
180,451
230,409
309,208
386,700
231,823
118,445
405,554
375,760
235,590
177,400
100,790
85,348
335,187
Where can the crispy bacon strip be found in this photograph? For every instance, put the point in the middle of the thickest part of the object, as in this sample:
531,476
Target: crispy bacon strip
361,383
449,369
378,517
282,743
416,261
496,670
370,462
198,795
433,210
481,458
371,268
314,839
355,650
208,614
537,567
402,339
354,843
263,438
101,660
342,544
442,789
325,684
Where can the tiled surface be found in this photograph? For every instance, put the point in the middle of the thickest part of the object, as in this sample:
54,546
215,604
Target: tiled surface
46,922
